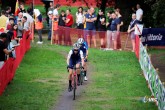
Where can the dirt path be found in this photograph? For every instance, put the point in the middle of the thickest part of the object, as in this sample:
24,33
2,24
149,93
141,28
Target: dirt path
65,101
160,64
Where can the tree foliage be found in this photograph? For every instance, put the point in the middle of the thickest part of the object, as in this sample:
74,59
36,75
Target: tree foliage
158,9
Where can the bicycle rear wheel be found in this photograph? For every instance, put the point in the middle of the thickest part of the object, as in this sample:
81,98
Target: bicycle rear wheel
74,88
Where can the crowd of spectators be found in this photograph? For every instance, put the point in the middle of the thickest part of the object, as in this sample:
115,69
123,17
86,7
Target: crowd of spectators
12,27
108,26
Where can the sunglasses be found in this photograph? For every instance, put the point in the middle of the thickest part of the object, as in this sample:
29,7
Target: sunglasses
75,50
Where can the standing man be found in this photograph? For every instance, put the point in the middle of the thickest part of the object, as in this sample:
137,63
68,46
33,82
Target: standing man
51,8
139,14
68,23
3,49
101,25
90,26
47,5
120,22
109,37
22,8
114,29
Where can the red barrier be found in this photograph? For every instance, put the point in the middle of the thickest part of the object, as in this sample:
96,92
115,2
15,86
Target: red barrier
137,46
8,70
67,36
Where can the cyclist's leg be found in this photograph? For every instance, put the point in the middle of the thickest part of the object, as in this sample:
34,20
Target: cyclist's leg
85,70
70,75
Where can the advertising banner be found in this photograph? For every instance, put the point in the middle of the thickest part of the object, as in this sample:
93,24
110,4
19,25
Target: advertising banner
153,36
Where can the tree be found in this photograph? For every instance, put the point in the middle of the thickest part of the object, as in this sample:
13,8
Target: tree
158,12
103,4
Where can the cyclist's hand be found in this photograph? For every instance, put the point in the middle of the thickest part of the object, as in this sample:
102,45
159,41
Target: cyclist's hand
67,68
86,57
82,67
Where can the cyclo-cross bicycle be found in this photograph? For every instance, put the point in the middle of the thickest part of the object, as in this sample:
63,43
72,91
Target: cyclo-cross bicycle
75,80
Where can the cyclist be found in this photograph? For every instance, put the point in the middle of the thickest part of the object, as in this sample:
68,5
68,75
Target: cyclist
75,56
84,49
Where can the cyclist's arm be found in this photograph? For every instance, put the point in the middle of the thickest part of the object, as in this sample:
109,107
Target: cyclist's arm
82,58
69,55
86,54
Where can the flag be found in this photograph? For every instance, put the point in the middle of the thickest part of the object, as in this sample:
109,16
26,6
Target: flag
16,8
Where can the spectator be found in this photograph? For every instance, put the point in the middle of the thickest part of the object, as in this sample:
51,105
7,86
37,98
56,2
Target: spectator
10,24
3,49
131,31
37,14
80,18
15,27
55,12
25,24
10,46
55,21
114,28
139,14
79,21
50,14
101,25
22,8
30,9
62,18
90,26
3,20
20,15
38,27
109,32
120,22
84,22
68,23
51,8
8,11
20,29
29,17
61,22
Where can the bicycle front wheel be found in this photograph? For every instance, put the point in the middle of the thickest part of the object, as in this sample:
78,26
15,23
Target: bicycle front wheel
74,88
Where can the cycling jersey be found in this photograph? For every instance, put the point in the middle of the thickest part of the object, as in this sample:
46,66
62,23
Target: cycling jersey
84,48
74,58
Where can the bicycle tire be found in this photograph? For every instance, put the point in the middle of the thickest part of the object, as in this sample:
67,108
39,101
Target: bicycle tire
74,88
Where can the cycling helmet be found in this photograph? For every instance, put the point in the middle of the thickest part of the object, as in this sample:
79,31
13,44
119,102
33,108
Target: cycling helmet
76,46
80,41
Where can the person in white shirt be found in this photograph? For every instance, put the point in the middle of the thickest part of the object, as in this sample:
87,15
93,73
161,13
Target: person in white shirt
55,12
80,18
25,24
29,18
139,13
37,14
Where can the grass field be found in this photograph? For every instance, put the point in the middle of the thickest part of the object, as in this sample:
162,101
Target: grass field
116,81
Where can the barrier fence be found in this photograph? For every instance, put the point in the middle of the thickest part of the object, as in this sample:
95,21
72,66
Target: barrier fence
151,75
67,36
8,70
